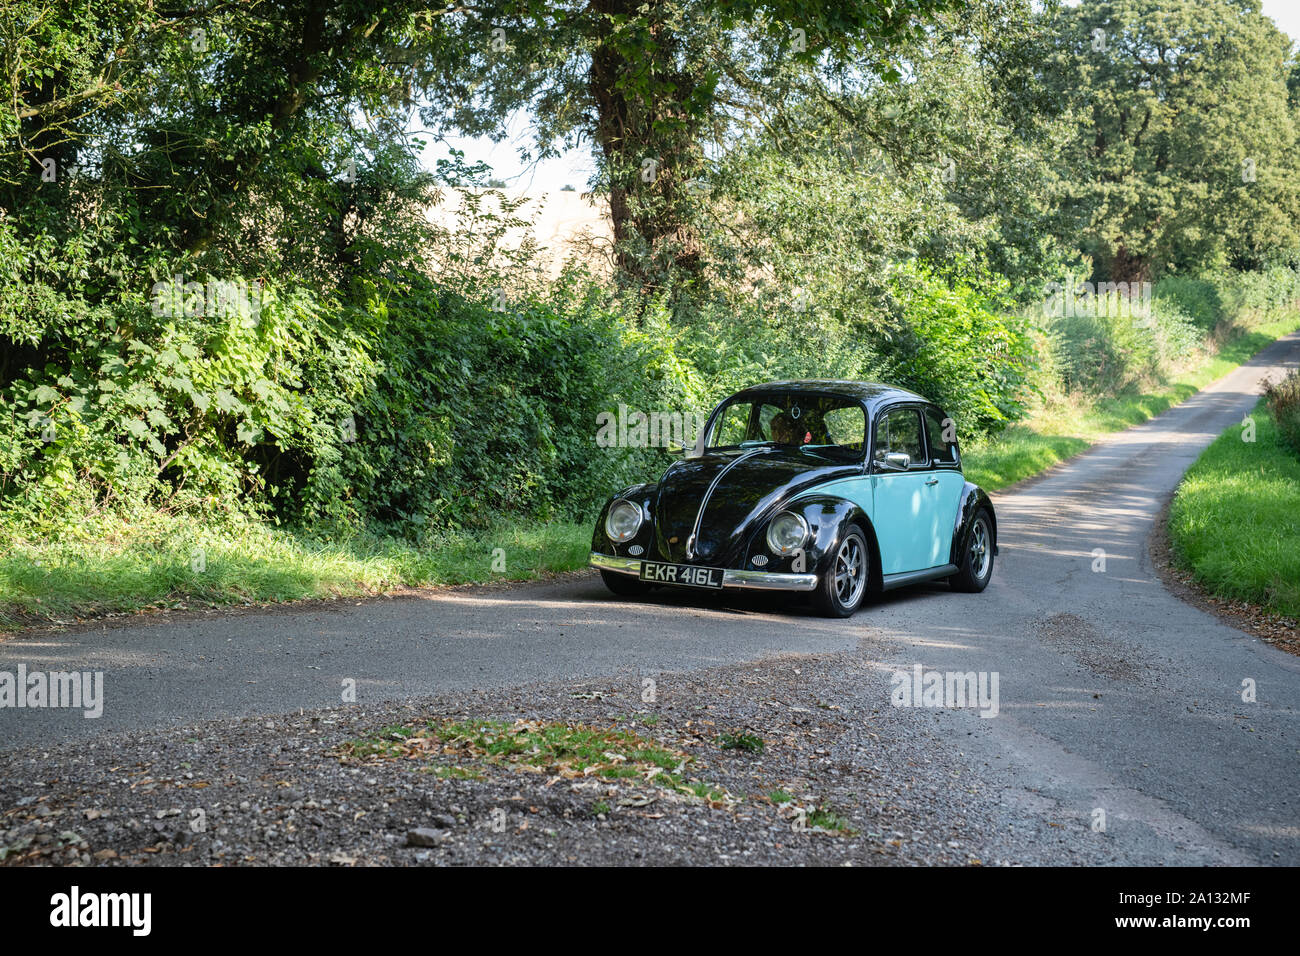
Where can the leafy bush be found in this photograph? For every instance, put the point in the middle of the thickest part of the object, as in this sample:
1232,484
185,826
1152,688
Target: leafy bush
473,414
1111,343
1199,298
1252,296
417,409
950,343
1284,404
955,348
114,403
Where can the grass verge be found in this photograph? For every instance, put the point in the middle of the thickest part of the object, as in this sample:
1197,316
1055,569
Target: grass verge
1234,522
168,561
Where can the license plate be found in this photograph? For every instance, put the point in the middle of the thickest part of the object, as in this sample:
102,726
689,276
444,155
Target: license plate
690,575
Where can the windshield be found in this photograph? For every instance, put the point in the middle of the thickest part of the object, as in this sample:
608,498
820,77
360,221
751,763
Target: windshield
823,425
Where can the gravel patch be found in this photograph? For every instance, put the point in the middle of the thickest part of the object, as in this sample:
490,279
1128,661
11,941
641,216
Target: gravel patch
892,786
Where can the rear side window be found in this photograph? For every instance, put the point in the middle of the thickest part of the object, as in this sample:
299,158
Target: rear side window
900,430
942,433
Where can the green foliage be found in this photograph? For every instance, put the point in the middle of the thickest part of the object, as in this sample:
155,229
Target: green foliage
957,350
1284,405
750,743
473,414
419,409
649,84
1063,423
1184,150
1113,343
825,199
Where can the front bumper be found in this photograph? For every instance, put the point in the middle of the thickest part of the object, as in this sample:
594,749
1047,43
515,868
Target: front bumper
760,580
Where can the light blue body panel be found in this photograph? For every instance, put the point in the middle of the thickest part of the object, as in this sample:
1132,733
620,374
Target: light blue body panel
913,513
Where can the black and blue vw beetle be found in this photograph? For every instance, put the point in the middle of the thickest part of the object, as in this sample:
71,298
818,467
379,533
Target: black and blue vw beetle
833,488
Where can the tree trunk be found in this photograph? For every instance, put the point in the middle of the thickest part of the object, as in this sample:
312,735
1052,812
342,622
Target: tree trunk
1124,266
651,153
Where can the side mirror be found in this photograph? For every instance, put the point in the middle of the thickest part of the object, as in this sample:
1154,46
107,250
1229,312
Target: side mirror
898,460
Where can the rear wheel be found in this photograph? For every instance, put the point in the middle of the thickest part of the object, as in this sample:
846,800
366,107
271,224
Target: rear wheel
624,585
976,557
843,586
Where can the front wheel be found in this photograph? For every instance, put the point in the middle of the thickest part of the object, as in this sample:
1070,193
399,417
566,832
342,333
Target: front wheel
623,585
976,558
843,586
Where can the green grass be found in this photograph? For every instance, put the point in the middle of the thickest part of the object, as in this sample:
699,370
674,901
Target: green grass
154,562
749,743
565,749
1062,428
454,773
1235,520
824,818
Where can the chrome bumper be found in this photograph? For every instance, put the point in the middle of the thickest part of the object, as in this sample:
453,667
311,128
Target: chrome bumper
761,580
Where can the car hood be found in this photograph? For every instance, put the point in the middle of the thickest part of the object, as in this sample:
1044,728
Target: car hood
750,484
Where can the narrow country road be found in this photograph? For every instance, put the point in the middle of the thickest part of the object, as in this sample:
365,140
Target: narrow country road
1115,696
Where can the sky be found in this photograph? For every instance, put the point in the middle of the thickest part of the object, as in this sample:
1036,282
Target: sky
575,167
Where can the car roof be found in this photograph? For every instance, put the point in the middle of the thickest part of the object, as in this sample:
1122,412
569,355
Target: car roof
871,394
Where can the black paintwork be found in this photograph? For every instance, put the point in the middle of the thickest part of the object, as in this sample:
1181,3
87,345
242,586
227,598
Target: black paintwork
755,484
973,499
760,482
871,395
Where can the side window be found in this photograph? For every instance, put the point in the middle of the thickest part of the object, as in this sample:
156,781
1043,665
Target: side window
900,430
846,427
942,433
732,426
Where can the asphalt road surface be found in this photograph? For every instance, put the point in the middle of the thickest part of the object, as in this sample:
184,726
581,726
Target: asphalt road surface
1113,693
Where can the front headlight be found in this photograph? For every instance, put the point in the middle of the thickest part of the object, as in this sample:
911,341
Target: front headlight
623,520
787,533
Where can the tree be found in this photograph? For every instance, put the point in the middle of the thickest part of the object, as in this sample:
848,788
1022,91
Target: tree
649,82
1186,150
953,164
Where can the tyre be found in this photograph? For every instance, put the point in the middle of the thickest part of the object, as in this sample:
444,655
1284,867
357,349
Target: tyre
844,585
976,556
623,585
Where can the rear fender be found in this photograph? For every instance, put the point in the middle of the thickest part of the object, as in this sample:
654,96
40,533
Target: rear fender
973,499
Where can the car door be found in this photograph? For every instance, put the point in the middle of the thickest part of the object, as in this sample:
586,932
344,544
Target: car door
948,481
904,501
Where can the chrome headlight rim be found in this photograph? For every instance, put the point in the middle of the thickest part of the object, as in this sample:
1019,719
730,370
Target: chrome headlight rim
775,546
617,504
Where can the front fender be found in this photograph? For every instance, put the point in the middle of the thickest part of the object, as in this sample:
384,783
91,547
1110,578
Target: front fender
643,495
828,517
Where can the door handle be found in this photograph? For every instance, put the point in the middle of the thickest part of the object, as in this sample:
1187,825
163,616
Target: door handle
933,481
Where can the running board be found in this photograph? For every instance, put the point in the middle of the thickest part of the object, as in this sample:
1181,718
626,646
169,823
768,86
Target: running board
891,581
